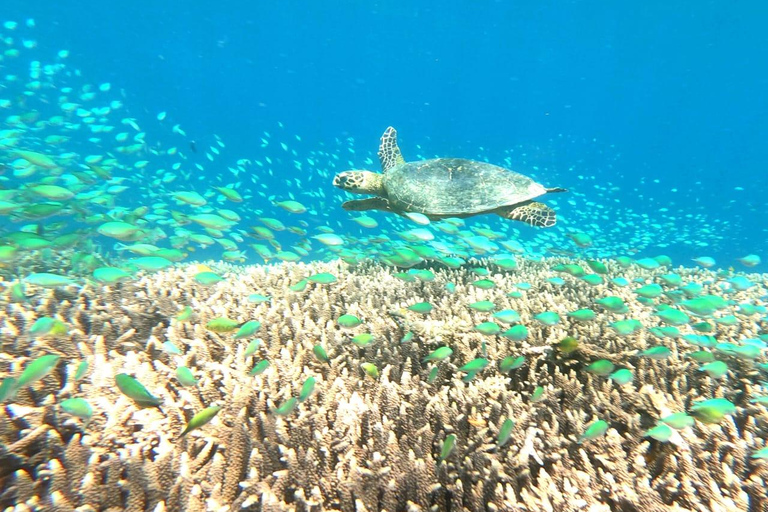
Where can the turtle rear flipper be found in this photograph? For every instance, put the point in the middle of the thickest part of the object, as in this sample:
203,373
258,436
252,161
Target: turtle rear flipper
532,213
372,203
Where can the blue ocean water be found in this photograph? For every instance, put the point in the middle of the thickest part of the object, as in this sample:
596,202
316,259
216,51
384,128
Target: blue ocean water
662,104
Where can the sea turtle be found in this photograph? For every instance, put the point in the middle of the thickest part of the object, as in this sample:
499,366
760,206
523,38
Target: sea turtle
445,187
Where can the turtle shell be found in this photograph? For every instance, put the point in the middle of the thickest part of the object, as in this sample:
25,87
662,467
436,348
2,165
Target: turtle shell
455,186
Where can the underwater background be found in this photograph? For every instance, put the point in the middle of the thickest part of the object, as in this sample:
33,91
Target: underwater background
656,109
190,320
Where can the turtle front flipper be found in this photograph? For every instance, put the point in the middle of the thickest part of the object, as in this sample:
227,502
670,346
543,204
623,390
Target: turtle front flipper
532,213
389,152
372,203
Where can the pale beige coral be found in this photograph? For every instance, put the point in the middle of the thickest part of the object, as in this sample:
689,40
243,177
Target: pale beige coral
359,443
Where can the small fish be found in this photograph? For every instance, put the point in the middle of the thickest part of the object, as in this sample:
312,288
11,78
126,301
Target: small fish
488,328
362,340
601,367
348,321
185,376
679,420
475,365
321,354
568,345
593,431
252,347
286,407
8,388
660,432
185,314
516,333
505,432
223,325
200,419
510,363
371,370
447,448
259,368
37,370
247,329
712,410
548,318
484,306
622,376
307,388
134,390
438,354
420,307
323,278
77,407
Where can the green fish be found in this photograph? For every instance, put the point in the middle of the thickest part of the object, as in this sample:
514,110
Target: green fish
362,340
621,377
679,420
82,368
510,363
568,345
77,407
41,327
8,388
37,369
660,432
185,314
48,280
252,347
488,328
475,365
321,354
601,367
259,368
438,354
516,333
300,286
111,275
715,369
507,316
593,431
200,419
657,353
548,318
484,284
505,432
223,325
582,315
484,306
207,278
286,407
134,390
371,370
306,389
712,410
448,445
421,308
248,329
185,376
322,278
348,321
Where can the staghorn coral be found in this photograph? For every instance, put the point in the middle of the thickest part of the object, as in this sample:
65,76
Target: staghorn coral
359,443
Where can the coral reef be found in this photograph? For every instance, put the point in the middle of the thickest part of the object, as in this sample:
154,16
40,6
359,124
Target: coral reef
361,443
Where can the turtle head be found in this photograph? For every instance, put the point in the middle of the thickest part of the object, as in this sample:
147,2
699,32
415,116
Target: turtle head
359,182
